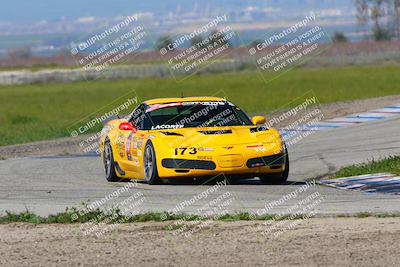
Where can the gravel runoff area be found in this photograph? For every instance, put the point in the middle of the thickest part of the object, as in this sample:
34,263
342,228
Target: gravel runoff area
70,146
313,242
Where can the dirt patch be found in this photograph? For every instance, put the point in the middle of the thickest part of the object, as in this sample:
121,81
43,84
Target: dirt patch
56,147
68,146
335,110
315,242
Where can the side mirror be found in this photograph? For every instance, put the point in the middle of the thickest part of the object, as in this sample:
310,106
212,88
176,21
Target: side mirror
257,120
127,126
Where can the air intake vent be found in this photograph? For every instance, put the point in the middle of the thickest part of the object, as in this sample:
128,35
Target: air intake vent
216,132
180,164
258,129
172,134
270,161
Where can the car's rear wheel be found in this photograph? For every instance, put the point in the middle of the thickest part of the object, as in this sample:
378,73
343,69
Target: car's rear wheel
109,164
279,178
149,165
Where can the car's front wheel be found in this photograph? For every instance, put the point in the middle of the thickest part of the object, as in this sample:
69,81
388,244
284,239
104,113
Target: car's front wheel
109,164
149,165
279,178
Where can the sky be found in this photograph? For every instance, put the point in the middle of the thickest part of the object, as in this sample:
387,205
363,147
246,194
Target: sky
36,10
50,10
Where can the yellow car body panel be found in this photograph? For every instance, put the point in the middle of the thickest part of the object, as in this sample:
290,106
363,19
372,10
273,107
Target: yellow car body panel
229,147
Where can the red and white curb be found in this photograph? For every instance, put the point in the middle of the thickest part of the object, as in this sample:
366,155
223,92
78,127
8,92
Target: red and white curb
370,183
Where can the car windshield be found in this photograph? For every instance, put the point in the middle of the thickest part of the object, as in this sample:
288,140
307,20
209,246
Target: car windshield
189,115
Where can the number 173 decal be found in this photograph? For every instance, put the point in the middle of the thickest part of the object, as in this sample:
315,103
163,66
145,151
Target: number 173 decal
183,150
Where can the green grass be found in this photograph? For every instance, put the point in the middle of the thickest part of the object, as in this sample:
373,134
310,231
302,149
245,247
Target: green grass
390,165
115,216
43,111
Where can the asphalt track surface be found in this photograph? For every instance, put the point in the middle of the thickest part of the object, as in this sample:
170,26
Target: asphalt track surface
49,185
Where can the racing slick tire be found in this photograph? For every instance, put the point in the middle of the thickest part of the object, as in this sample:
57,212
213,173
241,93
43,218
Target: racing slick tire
109,164
150,165
279,178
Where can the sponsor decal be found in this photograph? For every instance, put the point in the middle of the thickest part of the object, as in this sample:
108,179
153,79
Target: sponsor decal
140,144
128,146
254,146
166,126
135,161
204,103
158,106
134,146
257,148
120,141
205,149
120,145
204,157
214,103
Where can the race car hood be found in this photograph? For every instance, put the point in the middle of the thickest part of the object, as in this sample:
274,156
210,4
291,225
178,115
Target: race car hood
219,136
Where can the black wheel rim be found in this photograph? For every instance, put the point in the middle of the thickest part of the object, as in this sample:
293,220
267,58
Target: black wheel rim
107,160
148,163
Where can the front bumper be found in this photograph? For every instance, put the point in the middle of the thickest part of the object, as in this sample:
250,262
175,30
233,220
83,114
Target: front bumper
237,162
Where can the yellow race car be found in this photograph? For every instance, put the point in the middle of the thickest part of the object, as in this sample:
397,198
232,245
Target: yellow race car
192,137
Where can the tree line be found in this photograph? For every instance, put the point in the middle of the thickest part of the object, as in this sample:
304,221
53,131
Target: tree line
384,15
